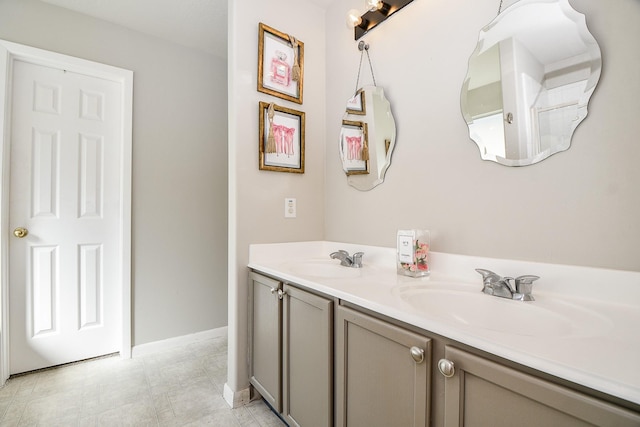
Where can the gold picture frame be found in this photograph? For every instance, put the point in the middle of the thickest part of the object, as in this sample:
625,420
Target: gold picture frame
281,140
280,64
354,147
357,104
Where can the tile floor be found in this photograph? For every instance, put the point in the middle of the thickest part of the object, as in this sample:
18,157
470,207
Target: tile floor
178,387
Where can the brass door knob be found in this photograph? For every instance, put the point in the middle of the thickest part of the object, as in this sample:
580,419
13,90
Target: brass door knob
20,232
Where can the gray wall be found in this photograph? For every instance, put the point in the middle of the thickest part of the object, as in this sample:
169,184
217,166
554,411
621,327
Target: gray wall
179,163
578,207
257,197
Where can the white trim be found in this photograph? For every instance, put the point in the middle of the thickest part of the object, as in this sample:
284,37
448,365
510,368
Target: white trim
9,52
237,398
181,341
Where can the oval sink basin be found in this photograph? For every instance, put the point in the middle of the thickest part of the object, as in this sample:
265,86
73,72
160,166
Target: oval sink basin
468,308
324,268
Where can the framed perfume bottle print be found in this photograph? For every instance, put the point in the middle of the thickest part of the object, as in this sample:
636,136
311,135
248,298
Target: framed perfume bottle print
281,141
357,104
280,64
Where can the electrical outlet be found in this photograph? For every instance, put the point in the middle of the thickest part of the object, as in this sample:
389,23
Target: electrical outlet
290,210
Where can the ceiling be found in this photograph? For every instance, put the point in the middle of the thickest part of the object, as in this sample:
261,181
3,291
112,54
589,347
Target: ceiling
199,24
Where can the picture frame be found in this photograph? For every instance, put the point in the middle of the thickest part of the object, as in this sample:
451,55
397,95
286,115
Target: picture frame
354,140
285,152
277,59
357,104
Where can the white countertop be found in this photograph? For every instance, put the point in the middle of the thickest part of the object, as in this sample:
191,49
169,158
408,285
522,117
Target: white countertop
597,345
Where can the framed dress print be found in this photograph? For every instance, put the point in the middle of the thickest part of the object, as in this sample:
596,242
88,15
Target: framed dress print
281,139
354,150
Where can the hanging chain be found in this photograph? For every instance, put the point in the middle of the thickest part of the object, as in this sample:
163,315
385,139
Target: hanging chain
500,7
362,46
359,68
371,68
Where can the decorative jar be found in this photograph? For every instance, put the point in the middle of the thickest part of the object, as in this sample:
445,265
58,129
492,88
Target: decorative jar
413,253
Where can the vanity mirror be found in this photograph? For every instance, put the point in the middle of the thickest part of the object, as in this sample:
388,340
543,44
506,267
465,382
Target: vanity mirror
529,81
367,135
367,141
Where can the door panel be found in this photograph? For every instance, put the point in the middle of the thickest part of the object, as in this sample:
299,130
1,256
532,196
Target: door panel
265,338
307,358
378,381
43,290
482,392
64,278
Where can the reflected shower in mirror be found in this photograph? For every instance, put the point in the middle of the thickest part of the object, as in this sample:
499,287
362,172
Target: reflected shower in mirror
529,81
367,138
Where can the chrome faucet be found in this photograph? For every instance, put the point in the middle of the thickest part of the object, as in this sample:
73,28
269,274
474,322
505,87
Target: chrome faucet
501,287
354,261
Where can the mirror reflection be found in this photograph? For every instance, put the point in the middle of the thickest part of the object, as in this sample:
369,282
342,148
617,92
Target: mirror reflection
529,82
367,138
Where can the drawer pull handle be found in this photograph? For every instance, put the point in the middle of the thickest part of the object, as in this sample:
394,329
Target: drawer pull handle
446,368
418,354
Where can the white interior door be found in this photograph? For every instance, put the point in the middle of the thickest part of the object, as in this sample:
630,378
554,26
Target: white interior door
64,275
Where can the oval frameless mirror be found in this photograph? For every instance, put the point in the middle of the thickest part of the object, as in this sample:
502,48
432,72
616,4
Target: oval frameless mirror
529,81
367,138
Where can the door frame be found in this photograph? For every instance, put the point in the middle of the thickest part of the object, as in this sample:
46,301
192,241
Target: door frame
9,53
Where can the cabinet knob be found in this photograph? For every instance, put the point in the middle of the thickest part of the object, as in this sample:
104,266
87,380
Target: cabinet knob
509,118
281,293
274,290
446,368
418,354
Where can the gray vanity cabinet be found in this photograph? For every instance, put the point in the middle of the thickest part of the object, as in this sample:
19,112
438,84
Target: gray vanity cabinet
291,347
265,338
485,393
383,373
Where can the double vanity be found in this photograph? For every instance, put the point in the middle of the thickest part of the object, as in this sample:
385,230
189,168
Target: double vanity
336,345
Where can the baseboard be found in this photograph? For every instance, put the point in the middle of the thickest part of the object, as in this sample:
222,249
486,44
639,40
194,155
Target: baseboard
235,399
168,344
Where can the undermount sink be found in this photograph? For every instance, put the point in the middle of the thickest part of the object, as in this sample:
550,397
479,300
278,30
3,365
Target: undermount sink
324,268
472,308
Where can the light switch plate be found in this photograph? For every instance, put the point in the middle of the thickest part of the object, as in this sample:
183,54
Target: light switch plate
290,209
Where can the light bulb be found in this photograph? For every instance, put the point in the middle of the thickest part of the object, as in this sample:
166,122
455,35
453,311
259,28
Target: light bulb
353,18
373,5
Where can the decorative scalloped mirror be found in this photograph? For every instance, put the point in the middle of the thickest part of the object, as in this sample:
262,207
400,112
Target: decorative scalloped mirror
529,81
367,138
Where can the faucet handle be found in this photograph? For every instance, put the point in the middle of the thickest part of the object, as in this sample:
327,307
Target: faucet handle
486,273
343,256
524,286
357,259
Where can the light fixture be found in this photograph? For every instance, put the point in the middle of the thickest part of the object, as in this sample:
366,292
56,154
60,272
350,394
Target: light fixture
373,5
353,18
377,12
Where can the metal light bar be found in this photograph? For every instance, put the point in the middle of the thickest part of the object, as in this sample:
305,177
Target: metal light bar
371,19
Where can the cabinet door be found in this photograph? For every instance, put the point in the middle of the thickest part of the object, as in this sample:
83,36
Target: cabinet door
308,358
265,339
378,381
485,393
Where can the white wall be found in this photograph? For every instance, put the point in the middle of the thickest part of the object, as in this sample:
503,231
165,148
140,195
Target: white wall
256,200
577,207
179,163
